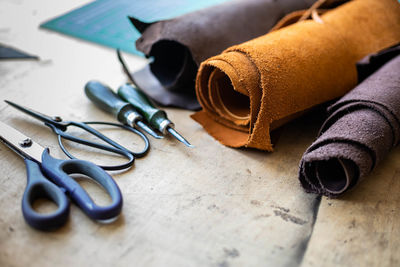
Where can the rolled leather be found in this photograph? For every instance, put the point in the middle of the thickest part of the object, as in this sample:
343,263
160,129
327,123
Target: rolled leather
255,87
361,129
179,45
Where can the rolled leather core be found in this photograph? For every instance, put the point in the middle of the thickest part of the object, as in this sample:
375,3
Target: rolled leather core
225,99
176,63
234,94
330,174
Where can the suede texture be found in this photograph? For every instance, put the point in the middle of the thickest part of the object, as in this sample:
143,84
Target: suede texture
361,129
179,45
255,87
375,61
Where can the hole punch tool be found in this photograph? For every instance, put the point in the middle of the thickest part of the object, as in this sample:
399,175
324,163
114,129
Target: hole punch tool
103,97
50,178
59,127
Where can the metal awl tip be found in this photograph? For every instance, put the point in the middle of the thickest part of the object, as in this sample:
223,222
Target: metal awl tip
179,137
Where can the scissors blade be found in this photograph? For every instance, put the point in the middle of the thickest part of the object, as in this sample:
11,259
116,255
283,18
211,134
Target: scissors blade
35,114
20,143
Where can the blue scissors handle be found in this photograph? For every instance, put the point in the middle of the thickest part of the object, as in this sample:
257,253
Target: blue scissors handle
58,171
39,187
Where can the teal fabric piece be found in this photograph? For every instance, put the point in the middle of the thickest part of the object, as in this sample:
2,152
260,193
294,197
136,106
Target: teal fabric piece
106,22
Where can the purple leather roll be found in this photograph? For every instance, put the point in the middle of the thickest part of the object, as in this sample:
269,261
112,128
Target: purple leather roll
361,129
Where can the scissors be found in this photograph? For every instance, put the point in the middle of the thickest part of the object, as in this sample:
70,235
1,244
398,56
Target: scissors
43,168
59,127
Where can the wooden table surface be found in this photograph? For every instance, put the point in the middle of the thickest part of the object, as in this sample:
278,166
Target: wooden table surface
207,206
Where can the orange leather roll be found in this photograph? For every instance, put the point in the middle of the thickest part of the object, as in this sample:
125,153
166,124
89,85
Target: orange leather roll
255,87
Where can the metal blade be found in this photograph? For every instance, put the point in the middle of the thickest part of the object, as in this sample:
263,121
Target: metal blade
179,137
37,115
20,143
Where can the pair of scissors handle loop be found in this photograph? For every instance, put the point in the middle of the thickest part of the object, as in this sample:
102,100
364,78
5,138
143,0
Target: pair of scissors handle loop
114,146
39,187
58,171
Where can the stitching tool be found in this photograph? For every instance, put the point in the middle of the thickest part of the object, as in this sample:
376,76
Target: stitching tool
59,127
155,117
103,97
43,168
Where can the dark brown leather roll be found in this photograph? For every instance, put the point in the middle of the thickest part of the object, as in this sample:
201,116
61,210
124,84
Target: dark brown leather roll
361,129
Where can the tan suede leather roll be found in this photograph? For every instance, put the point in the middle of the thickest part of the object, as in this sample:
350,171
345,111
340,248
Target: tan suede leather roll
255,87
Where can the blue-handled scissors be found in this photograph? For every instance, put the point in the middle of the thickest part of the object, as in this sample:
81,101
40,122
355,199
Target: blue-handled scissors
41,167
